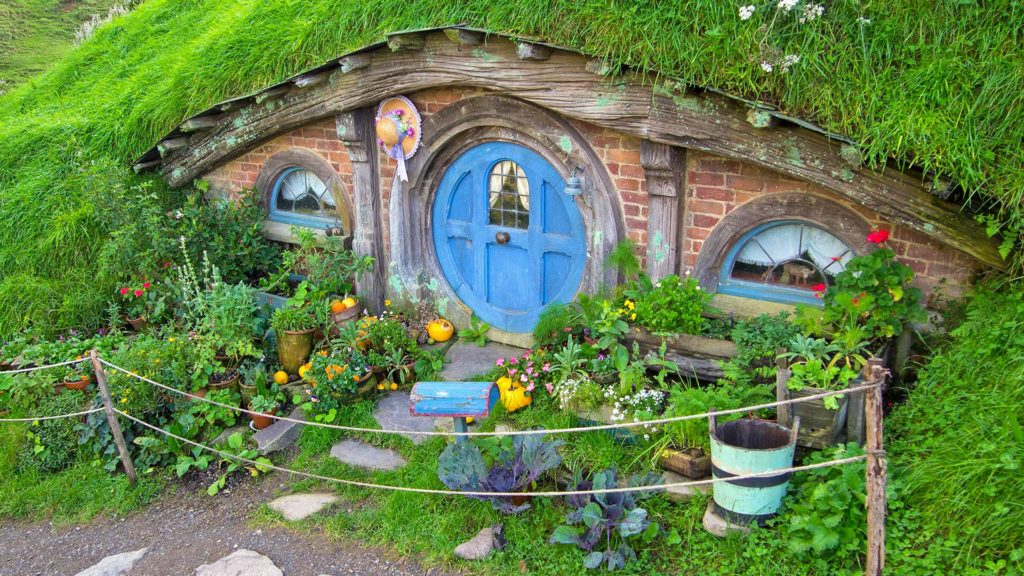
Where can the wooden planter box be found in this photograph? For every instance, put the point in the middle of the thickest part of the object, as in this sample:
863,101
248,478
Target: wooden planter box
268,299
603,415
820,426
695,355
692,462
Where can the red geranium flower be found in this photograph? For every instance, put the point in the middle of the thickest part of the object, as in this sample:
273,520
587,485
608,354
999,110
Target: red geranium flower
138,293
124,291
146,285
878,236
819,287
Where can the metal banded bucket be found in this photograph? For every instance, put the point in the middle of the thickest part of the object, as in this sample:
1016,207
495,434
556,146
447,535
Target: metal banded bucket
743,447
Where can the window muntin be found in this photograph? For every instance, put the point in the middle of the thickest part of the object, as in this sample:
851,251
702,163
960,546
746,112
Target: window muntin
783,262
508,196
301,197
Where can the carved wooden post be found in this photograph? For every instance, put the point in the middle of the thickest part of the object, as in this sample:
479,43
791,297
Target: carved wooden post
876,470
115,425
661,168
781,377
356,130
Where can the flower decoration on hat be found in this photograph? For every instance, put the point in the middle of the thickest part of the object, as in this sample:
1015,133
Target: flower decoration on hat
398,131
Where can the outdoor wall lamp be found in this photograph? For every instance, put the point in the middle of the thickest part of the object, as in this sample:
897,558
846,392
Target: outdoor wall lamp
574,185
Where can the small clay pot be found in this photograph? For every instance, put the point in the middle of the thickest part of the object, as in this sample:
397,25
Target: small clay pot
261,421
80,385
231,383
201,392
138,324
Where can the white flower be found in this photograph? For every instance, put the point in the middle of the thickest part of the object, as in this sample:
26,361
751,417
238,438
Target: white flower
863,21
787,5
812,12
647,436
767,66
788,60
747,11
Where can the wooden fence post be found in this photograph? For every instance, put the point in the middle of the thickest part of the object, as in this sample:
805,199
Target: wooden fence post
115,425
783,412
876,470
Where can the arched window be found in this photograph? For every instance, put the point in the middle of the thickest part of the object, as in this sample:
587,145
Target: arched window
783,261
508,196
300,197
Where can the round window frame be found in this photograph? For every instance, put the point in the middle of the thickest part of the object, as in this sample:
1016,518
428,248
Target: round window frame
763,290
278,166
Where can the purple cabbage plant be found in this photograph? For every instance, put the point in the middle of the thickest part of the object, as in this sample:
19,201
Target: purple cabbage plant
462,467
610,519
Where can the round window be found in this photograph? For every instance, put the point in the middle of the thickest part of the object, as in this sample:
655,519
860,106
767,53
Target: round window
783,262
301,197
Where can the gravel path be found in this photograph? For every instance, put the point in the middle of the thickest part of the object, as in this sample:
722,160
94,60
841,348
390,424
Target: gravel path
184,530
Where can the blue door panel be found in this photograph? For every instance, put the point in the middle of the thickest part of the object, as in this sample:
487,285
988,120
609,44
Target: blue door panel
507,284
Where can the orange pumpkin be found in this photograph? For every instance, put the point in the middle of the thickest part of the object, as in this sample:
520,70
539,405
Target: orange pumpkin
337,306
440,330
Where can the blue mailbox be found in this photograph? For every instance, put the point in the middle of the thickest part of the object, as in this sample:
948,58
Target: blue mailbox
458,400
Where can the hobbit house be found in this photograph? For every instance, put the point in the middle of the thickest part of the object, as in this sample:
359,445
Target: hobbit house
529,163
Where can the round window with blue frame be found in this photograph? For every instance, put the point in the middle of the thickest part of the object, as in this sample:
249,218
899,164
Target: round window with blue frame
300,197
783,261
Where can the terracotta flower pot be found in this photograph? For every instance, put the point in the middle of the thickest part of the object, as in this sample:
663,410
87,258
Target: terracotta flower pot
348,314
230,382
80,385
201,392
138,324
261,421
294,348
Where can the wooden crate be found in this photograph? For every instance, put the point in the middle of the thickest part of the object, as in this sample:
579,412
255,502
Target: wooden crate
695,355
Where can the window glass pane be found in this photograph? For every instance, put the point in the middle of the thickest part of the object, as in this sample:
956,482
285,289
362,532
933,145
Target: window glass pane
508,196
792,255
302,193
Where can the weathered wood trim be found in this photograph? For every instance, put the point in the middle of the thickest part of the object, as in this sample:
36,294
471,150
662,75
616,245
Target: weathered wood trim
200,123
630,103
356,130
307,80
354,62
465,37
661,171
407,42
281,161
846,224
760,118
139,167
272,93
535,52
172,145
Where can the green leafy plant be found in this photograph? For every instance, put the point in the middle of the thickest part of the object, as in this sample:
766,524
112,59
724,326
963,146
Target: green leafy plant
332,380
610,520
671,305
263,404
557,323
197,459
236,446
292,318
476,332
329,267
52,445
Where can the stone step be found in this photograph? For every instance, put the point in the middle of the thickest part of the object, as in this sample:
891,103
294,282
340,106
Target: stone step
683,493
296,507
279,435
363,455
392,413
241,562
115,565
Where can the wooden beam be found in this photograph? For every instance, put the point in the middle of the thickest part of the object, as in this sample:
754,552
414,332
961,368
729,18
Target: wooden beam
662,170
759,118
200,123
172,144
465,37
634,104
535,52
272,93
140,167
354,62
407,42
312,79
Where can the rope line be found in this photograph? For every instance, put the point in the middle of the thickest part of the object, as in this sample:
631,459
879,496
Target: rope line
56,417
44,367
512,433
646,488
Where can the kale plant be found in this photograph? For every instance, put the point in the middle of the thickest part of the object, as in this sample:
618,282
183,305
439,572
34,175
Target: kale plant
614,519
462,467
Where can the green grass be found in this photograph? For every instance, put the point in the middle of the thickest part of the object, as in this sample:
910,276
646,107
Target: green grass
36,33
73,495
936,82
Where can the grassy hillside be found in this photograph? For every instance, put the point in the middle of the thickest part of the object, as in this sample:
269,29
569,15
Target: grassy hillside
36,33
940,83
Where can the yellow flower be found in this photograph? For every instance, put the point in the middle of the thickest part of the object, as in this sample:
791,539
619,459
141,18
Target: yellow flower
171,339
632,316
630,304
387,302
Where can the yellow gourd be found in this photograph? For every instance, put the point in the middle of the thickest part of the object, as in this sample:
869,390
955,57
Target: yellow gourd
513,396
440,330
281,377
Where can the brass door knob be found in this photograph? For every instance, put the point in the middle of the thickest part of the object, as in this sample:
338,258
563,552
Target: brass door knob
502,237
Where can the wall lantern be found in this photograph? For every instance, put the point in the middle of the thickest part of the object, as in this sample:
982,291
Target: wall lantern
574,185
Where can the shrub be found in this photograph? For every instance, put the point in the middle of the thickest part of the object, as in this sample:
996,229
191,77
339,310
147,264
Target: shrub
672,305
52,445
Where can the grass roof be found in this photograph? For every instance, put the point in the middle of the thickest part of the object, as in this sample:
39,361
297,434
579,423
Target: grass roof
936,83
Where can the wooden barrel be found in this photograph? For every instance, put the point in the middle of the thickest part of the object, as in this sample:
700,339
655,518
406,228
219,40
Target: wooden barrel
744,447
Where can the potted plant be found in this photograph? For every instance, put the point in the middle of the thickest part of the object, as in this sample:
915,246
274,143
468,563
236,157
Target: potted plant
265,406
294,325
389,348
336,377
137,302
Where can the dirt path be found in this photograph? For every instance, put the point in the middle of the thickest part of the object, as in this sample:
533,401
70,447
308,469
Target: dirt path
184,530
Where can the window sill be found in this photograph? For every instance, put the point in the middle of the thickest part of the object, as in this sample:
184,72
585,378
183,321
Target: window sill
748,307
281,232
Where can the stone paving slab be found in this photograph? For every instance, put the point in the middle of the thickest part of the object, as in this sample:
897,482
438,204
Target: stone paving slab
241,563
683,493
115,565
279,435
296,507
363,455
392,413
465,359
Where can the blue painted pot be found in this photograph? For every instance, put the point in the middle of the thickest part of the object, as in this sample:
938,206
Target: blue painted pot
744,447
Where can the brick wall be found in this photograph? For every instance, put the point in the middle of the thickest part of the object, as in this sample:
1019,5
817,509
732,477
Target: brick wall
717,186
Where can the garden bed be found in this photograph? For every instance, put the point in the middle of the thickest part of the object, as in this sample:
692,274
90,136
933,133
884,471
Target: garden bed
696,355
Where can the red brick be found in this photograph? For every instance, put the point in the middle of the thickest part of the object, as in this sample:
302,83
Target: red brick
716,164
633,197
624,156
745,183
706,178
707,207
741,198
613,168
632,171
704,221
720,194
923,252
633,210
777,186
698,233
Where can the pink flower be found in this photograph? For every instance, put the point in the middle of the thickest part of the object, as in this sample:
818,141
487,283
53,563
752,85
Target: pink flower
530,387
550,387
138,293
878,236
512,371
124,291
523,378
146,285
513,360
819,287
547,367
499,362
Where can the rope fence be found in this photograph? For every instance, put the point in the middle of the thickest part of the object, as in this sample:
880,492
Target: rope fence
874,456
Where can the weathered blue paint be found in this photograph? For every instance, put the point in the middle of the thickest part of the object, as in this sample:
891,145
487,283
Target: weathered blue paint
745,447
507,285
453,399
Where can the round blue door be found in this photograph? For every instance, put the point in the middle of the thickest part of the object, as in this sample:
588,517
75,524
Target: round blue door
508,239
